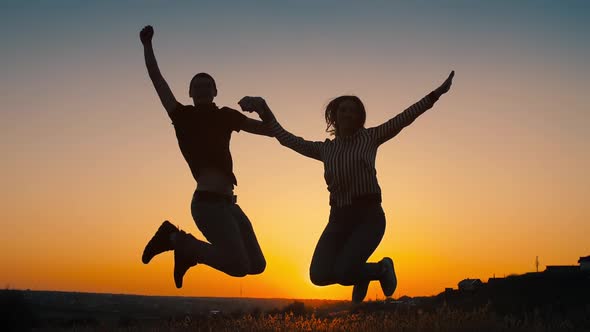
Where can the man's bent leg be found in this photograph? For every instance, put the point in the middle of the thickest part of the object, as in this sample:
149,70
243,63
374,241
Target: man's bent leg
255,255
226,251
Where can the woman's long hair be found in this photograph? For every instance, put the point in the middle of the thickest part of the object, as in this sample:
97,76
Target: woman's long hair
330,114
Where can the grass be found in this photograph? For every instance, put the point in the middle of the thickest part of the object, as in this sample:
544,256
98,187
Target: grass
406,320
17,313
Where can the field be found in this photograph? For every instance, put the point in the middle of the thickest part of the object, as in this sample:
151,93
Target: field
443,320
56,311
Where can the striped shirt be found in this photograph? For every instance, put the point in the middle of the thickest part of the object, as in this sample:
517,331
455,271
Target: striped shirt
349,161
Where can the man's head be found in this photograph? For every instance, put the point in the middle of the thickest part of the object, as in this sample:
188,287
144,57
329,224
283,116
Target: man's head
202,89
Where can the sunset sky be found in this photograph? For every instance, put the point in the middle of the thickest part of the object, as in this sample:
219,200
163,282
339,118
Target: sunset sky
494,175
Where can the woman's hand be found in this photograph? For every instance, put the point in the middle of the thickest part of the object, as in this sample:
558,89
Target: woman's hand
446,86
253,104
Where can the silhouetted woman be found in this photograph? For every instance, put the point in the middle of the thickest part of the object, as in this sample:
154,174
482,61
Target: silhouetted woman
357,222
203,132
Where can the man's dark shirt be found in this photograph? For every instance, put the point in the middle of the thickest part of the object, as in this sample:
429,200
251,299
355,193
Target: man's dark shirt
203,135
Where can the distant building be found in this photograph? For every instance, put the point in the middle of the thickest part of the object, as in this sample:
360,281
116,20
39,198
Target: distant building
584,263
562,269
470,284
495,280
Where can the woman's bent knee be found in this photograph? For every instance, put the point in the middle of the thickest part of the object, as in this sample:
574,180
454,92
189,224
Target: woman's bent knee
319,278
347,275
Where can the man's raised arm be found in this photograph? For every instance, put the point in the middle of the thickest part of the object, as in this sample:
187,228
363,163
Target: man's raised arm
166,96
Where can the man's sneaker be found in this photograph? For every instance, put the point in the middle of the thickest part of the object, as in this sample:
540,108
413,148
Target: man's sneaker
160,242
359,291
388,279
182,258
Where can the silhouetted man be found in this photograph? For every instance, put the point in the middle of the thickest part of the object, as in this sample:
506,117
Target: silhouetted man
203,132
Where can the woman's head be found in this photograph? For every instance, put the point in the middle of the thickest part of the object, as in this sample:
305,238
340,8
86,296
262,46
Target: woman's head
345,115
